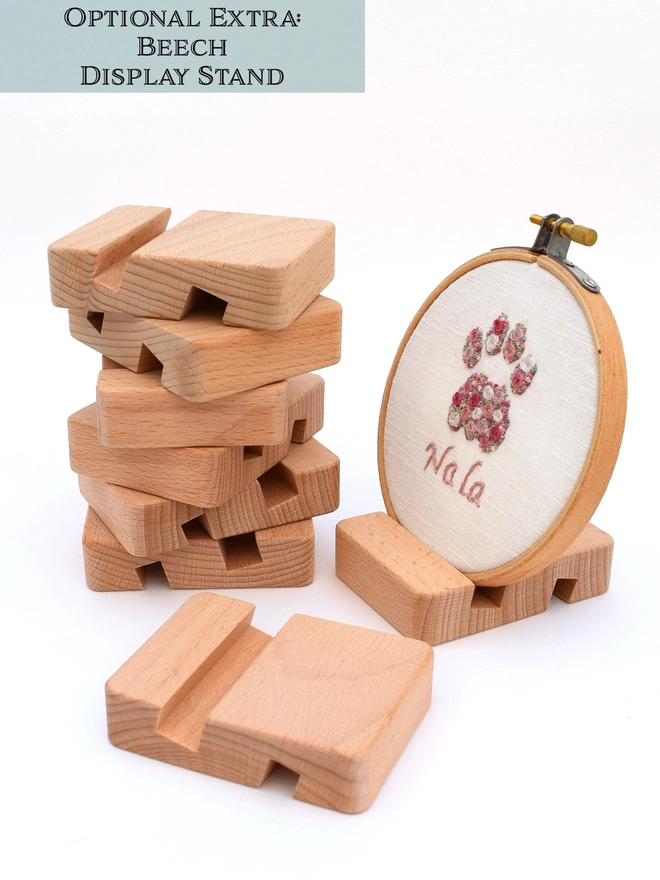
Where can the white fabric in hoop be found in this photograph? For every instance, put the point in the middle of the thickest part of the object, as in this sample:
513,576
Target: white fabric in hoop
529,478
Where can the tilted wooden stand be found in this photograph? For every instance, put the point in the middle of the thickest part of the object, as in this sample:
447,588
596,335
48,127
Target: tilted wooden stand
334,703
203,358
303,485
266,269
426,598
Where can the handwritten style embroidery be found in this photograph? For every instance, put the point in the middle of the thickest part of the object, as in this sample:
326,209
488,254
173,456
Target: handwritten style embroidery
480,406
476,489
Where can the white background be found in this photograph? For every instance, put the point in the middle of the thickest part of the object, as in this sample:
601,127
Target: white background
538,757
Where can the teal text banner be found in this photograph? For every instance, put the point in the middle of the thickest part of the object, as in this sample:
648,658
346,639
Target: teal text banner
308,46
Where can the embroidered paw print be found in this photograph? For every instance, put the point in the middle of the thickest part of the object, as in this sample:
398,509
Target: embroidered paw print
481,406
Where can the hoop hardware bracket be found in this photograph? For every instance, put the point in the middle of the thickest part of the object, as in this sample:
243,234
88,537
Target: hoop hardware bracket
554,239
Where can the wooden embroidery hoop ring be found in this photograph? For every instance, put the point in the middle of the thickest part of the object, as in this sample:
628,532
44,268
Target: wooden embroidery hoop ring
608,429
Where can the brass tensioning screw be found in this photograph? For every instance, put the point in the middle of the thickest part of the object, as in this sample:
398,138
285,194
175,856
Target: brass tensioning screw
578,234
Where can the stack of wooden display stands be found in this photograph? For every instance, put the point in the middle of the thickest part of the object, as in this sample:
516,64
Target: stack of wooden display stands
199,453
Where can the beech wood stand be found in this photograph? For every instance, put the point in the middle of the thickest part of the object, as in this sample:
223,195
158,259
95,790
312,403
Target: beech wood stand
198,454
424,597
334,703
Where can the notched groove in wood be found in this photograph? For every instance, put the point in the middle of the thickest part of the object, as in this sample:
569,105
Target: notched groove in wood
424,597
564,588
96,320
325,707
191,528
151,573
488,597
282,777
278,485
203,301
240,551
299,431
147,360
183,720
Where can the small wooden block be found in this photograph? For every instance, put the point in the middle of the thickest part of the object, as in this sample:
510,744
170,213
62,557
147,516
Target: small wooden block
202,476
203,358
80,258
426,598
278,557
335,704
267,269
303,485
134,410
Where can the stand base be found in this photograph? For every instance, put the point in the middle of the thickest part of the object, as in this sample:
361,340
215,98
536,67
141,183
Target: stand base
278,557
426,598
335,704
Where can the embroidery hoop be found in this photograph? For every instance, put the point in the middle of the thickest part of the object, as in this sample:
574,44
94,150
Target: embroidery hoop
607,430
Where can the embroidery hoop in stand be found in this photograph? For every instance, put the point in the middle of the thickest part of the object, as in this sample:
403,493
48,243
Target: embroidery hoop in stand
534,499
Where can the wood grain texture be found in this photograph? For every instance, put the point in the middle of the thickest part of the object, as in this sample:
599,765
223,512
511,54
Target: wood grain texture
409,585
202,358
145,525
267,269
424,597
202,476
108,364
335,704
303,485
305,406
135,410
80,258
278,557
607,434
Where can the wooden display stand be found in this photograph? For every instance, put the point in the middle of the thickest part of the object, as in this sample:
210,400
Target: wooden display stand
334,703
267,270
79,258
424,597
203,476
203,358
279,557
134,406
303,485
